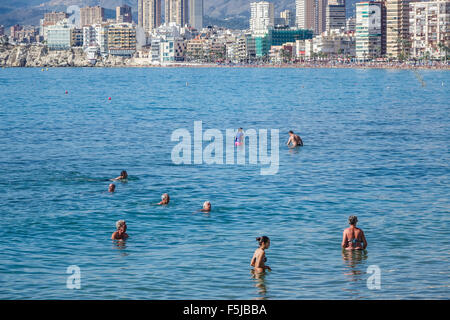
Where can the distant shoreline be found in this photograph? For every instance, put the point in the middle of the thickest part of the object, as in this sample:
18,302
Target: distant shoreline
268,66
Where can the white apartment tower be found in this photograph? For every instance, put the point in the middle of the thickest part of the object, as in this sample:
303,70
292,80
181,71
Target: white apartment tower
262,17
305,14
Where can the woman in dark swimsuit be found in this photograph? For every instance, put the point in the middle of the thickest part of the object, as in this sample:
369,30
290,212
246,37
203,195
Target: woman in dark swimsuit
259,257
353,237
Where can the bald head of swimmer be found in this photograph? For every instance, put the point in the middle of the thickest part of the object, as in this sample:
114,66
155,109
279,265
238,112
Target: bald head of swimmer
112,187
207,206
264,242
352,220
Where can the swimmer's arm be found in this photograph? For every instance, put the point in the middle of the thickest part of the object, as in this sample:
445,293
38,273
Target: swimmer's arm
289,141
364,240
252,262
113,237
344,240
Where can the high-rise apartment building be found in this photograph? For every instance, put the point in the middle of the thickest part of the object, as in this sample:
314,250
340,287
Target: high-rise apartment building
196,14
262,17
305,14
176,11
149,14
92,15
397,28
368,30
320,16
429,25
123,14
335,14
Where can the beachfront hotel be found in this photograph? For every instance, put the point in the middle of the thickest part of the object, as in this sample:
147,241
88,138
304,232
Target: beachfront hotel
122,39
397,28
429,28
368,30
262,17
59,36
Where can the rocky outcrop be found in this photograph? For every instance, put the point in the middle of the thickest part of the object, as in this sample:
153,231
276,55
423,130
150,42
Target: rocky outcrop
39,56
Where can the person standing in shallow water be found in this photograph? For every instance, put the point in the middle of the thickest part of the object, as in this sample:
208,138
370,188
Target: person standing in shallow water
294,140
120,233
239,139
259,257
353,237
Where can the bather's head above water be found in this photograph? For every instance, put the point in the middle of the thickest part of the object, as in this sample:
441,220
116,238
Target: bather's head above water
165,198
352,220
264,242
123,174
206,206
112,187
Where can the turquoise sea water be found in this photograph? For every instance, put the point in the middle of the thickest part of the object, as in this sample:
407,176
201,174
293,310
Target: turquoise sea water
376,146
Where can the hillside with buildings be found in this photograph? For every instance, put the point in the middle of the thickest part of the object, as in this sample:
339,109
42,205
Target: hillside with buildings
392,30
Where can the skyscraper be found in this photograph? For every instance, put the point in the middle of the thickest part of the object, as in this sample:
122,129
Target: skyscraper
196,14
305,14
149,14
262,17
177,11
321,16
123,14
397,27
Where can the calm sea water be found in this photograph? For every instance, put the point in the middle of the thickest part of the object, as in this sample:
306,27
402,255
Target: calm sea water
376,146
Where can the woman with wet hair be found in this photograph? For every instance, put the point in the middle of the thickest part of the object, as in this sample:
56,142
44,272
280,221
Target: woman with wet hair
120,233
259,257
353,237
164,199
123,176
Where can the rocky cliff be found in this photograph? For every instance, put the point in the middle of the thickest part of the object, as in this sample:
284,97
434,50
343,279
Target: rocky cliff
40,56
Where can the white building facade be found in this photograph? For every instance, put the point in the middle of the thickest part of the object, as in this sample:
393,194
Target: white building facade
262,17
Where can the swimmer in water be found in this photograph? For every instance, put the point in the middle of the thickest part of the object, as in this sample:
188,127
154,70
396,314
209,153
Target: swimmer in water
206,207
239,139
295,140
164,199
112,187
353,237
259,257
120,233
123,176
